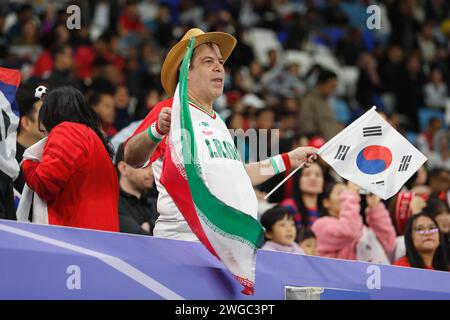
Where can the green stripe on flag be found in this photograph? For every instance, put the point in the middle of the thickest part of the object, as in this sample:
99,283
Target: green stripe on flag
233,223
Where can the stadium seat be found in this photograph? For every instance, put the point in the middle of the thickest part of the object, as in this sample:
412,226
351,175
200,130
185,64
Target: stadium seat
262,40
425,114
349,75
302,58
325,58
411,136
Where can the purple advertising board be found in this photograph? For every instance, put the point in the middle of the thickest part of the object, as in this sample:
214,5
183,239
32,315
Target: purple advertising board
49,262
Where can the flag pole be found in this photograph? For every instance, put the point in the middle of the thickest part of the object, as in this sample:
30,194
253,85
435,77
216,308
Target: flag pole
284,180
319,152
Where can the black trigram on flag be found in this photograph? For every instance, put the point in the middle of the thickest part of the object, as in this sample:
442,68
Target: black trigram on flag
372,131
342,152
404,164
5,125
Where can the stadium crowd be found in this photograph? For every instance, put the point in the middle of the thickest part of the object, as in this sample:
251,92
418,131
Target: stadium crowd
307,68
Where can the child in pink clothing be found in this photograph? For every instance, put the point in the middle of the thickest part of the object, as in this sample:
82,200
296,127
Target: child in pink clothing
280,231
339,233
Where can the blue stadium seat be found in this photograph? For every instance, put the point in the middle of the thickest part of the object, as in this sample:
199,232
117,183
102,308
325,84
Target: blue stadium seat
329,37
411,136
425,114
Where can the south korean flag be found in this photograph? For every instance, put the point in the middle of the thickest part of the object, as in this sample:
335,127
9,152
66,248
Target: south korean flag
372,154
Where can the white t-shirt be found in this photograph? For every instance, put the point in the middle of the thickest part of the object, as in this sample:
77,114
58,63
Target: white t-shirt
223,172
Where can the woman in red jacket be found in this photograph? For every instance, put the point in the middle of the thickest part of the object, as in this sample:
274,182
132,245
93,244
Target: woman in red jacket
75,176
424,244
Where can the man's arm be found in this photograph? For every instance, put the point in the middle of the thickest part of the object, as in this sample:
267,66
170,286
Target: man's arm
261,171
140,147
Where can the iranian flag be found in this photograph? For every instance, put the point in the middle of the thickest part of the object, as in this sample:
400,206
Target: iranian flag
227,232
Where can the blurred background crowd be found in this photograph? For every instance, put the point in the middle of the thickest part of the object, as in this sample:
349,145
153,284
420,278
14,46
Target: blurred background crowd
305,67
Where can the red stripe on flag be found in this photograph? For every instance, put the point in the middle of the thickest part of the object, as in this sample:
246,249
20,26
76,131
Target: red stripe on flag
180,193
286,161
10,76
157,129
249,287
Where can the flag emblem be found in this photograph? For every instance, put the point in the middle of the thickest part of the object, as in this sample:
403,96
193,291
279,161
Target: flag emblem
404,164
205,128
374,159
379,160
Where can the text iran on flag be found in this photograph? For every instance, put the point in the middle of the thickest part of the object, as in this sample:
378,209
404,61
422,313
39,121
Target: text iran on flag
221,215
372,154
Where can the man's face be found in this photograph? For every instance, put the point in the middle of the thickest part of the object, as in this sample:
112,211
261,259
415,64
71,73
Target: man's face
30,125
329,87
122,97
206,75
441,182
140,179
265,120
106,109
435,125
65,59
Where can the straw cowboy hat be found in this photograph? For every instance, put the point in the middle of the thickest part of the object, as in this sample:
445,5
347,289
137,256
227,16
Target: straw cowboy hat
169,71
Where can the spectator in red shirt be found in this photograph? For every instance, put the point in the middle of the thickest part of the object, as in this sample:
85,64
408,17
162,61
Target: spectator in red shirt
424,245
43,66
129,21
90,60
76,176
104,106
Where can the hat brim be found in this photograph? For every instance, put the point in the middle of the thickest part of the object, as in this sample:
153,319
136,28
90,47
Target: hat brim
169,70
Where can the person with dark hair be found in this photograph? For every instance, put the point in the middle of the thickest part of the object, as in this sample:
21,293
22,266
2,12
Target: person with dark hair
62,72
424,245
425,140
280,231
24,14
306,202
316,113
439,182
368,84
262,149
122,107
102,102
75,175
58,35
28,132
436,92
342,233
129,21
137,210
306,239
440,211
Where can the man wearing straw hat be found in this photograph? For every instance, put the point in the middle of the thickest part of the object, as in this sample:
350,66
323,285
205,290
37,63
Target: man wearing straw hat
206,80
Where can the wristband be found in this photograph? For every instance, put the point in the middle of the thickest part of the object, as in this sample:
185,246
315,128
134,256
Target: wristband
154,133
286,161
280,163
